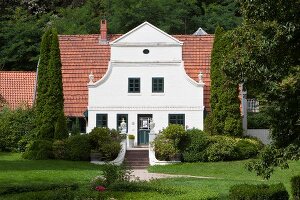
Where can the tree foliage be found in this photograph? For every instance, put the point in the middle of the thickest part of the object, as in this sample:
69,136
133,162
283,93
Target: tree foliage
265,55
225,117
49,106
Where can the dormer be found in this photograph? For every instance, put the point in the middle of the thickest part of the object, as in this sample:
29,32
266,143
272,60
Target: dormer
146,43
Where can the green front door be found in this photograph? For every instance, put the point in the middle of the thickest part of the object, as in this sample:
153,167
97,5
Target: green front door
143,129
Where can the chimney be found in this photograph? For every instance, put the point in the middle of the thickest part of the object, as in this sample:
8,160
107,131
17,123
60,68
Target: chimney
103,32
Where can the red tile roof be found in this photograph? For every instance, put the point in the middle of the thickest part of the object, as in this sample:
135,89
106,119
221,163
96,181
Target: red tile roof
17,88
81,54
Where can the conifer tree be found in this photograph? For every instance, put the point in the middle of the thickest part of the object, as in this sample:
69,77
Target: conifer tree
225,117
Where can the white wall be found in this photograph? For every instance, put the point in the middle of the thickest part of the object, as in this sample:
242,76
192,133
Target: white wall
182,95
262,134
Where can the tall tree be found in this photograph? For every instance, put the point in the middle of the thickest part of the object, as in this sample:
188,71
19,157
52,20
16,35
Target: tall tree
225,117
49,107
265,54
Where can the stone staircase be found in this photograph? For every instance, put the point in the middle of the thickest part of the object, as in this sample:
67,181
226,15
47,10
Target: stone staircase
137,159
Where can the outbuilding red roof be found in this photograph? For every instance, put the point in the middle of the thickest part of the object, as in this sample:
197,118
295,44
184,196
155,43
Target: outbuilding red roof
83,54
17,88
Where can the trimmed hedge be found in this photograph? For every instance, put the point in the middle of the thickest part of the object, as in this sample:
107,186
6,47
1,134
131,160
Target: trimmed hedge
15,189
295,182
258,192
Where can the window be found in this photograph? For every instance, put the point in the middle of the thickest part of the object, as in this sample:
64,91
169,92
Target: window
120,117
133,85
158,85
177,119
101,120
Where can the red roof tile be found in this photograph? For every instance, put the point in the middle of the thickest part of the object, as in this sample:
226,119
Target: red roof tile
17,88
81,54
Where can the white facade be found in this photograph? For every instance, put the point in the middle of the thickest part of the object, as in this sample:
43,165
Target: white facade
110,95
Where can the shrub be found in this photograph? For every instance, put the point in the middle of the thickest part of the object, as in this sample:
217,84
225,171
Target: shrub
258,192
111,150
59,149
78,147
75,130
106,142
39,150
295,183
14,124
164,148
177,134
247,148
198,142
115,173
221,149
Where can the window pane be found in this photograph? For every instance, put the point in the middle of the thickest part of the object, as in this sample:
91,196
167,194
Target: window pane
133,85
177,119
101,120
157,84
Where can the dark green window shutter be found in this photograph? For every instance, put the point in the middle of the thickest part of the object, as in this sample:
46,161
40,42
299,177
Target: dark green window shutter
119,120
177,119
158,85
134,85
101,120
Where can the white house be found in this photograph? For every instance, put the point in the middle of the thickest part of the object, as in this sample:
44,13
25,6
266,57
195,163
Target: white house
145,79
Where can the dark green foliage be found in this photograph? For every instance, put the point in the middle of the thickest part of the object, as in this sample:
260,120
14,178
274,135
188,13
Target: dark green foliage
75,130
195,151
295,183
258,192
259,120
14,125
106,141
61,131
35,187
78,147
59,149
205,148
225,117
265,50
39,150
56,194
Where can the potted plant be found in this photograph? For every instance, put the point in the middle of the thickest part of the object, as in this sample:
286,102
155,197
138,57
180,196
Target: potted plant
131,140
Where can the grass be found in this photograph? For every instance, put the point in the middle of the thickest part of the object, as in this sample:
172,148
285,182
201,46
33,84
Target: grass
17,171
229,172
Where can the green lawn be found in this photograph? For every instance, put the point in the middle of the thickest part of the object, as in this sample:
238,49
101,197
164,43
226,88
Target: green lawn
17,171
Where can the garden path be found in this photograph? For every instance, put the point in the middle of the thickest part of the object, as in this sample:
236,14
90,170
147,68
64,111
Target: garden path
143,174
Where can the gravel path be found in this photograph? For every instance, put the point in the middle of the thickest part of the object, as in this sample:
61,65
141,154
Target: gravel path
143,174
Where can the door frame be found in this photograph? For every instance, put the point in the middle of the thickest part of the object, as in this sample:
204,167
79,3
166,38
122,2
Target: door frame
138,124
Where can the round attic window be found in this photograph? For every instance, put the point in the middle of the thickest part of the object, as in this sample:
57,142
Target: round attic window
146,51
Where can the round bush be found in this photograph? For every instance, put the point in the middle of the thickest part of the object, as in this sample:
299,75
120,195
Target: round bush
164,148
198,142
247,148
221,149
78,147
177,134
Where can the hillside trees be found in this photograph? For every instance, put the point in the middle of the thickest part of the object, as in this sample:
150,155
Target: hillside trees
265,55
23,22
225,117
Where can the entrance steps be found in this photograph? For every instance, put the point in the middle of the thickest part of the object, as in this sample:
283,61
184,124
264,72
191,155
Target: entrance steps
137,158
